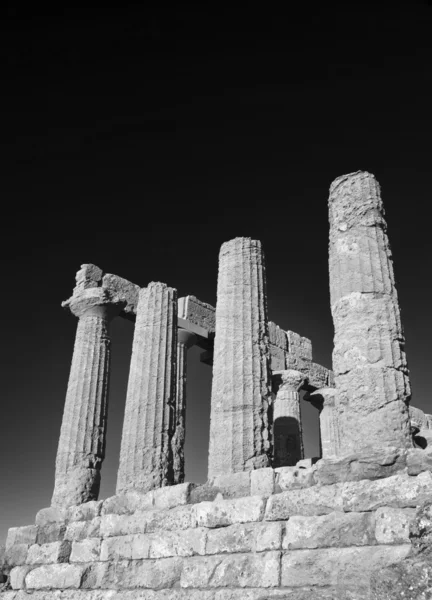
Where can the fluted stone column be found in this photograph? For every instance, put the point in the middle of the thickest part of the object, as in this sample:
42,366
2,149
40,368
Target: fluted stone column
81,448
325,400
371,374
185,339
146,456
287,426
241,387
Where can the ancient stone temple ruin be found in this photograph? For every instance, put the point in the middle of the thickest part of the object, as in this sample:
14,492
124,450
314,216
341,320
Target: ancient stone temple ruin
269,523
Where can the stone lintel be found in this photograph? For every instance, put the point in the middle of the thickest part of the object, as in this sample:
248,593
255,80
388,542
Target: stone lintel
315,375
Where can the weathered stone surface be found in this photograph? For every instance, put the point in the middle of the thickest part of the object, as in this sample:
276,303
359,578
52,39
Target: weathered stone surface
18,575
392,525
249,537
182,517
228,512
21,535
123,504
419,460
172,496
54,552
51,532
204,493
325,400
199,313
124,291
409,580
16,554
84,512
262,482
135,546
51,514
81,530
348,568
307,502
368,358
146,458
178,543
89,276
239,570
233,485
241,389
371,463
277,336
299,346
421,529
85,551
81,448
154,574
336,529
290,478
58,576
277,358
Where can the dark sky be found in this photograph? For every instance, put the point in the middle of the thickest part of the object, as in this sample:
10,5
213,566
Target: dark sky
140,140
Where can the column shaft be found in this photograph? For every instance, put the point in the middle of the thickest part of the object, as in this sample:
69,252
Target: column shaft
371,374
287,425
241,387
146,457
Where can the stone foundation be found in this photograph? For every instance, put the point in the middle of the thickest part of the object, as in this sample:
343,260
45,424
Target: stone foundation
313,531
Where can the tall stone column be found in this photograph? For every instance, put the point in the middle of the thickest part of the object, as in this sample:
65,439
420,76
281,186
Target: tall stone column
81,448
185,339
241,387
287,425
371,374
146,456
325,400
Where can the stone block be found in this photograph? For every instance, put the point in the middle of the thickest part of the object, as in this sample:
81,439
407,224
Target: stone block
16,554
311,501
233,485
126,547
399,491
239,570
17,576
262,482
204,493
392,525
349,568
84,512
21,535
277,336
188,542
51,532
52,514
335,529
115,525
122,290
179,518
126,504
153,574
199,313
54,552
277,358
299,346
305,463
85,551
249,537
81,530
291,478
419,460
228,512
421,530
408,580
59,576
374,464
172,495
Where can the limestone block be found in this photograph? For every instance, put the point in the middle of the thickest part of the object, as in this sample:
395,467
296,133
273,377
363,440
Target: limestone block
51,514
421,529
135,547
281,594
171,496
348,568
89,276
419,460
262,482
179,518
51,532
204,493
299,346
392,525
244,537
178,543
291,478
241,389
372,463
124,291
398,491
84,512
410,579
85,551
336,529
197,312
228,512
16,554
58,576
153,574
233,485
307,502
54,552
81,530
21,535
239,570
277,358
17,576
277,336
124,504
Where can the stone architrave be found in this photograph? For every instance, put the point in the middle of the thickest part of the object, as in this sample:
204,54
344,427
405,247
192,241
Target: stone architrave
241,387
81,448
371,374
287,426
146,456
185,339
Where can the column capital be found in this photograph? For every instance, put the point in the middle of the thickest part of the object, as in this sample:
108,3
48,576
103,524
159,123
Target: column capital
186,338
290,379
96,301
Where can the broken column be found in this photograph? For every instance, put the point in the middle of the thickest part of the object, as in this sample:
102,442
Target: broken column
371,374
186,340
81,448
287,428
241,387
146,456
